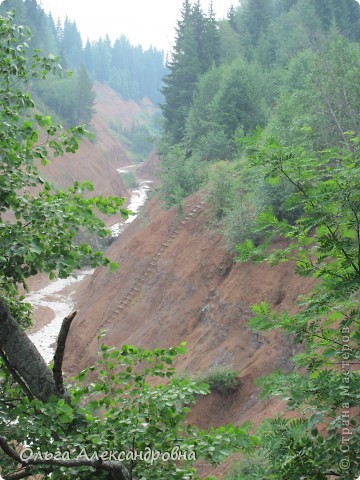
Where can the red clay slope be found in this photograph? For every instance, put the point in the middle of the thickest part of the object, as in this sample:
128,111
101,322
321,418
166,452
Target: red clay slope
98,160
178,284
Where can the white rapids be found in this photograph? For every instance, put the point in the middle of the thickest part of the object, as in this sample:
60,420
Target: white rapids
137,200
51,296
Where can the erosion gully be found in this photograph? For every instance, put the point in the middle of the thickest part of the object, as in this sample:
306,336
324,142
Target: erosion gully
58,295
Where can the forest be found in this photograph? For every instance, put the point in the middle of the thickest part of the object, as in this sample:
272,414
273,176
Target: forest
133,72
260,112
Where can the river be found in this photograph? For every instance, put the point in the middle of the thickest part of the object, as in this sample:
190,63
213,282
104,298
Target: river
59,295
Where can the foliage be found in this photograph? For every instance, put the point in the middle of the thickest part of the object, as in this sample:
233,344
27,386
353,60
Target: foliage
149,420
200,126
228,100
223,380
237,103
253,21
324,242
196,50
140,139
300,26
239,195
133,72
221,187
71,98
30,13
230,45
240,222
254,467
112,408
180,176
320,98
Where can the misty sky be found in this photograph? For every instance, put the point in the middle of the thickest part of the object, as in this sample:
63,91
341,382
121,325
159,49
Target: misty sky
145,22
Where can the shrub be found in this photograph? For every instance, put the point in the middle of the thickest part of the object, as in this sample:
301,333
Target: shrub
181,176
221,188
223,380
254,467
255,195
240,223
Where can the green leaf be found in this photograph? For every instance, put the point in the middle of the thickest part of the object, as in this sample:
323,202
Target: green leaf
113,266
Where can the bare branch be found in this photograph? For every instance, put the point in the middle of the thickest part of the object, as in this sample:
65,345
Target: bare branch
25,473
59,354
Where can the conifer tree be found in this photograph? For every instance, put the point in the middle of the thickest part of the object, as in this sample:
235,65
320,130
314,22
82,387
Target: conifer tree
231,16
88,58
197,47
72,43
254,20
85,97
212,40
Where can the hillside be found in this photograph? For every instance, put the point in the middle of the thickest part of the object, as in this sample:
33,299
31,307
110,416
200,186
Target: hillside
98,160
258,154
177,283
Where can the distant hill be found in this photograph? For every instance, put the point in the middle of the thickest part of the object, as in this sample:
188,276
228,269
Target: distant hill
98,160
133,72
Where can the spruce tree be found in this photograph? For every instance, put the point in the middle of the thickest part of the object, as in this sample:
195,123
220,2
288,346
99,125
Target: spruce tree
87,57
72,43
197,47
85,97
231,16
254,21
211,41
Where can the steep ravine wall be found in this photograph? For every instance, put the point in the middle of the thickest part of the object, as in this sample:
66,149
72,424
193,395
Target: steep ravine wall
97,160
177,283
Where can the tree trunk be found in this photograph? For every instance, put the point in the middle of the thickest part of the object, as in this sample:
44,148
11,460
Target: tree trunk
24,358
